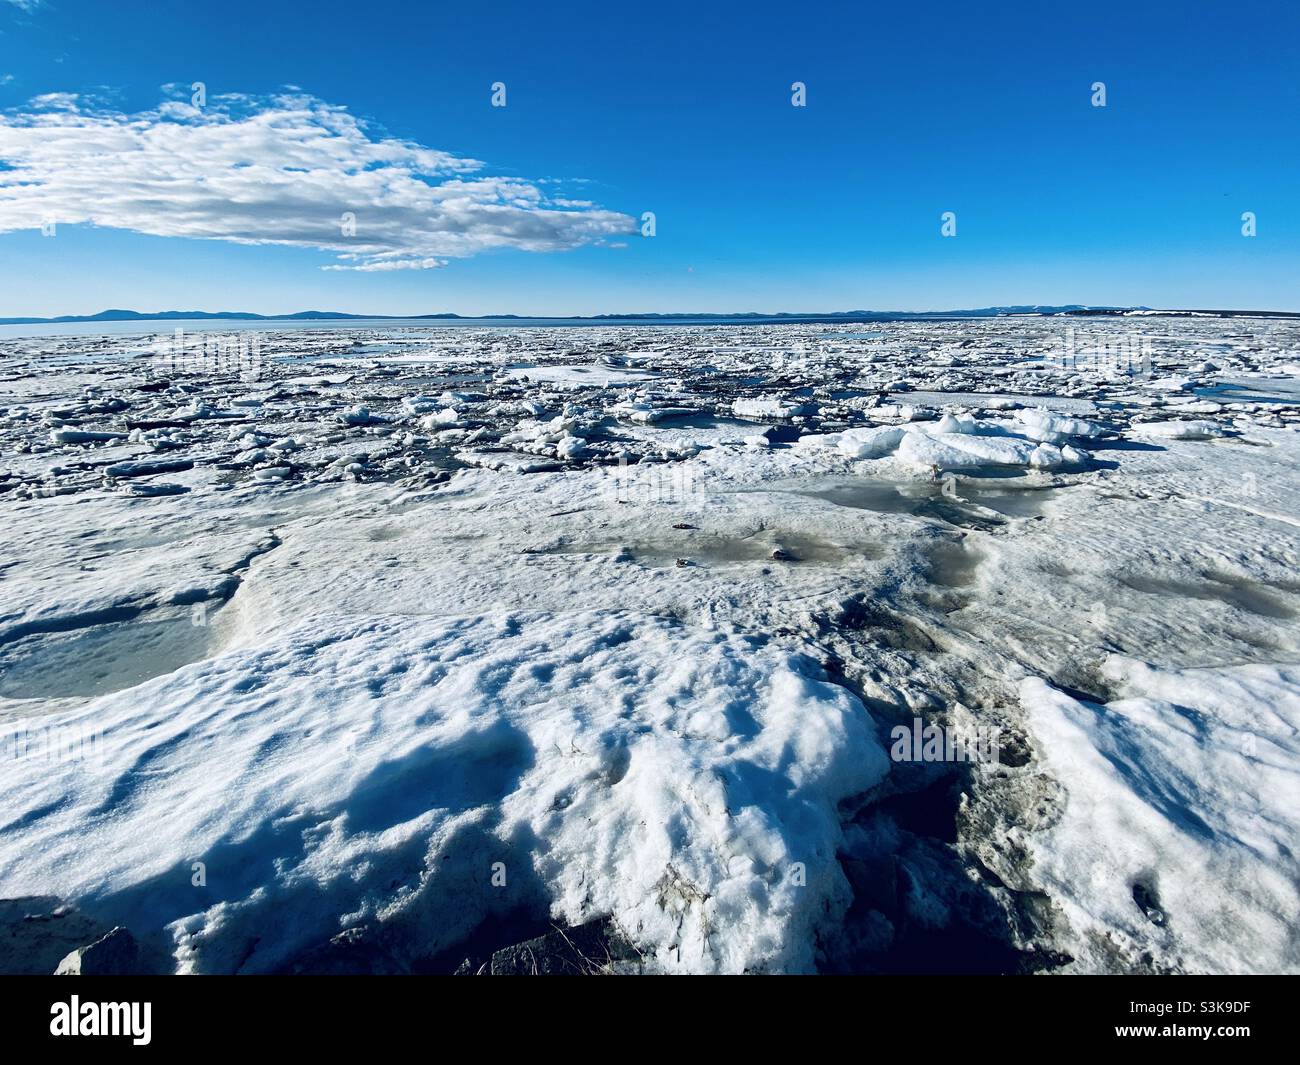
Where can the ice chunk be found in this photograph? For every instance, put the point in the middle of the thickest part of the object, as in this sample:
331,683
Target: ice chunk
870,443
198,410
765,408
957,423
959,451
356,415
272,473
644,413
905,412
1177,430
443,419
1177,833
150,489
1046,457
147,467
83,436
1052,428
570,447
422,404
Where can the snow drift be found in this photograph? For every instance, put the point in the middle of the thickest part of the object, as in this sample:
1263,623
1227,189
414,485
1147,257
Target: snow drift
1177,838
424,774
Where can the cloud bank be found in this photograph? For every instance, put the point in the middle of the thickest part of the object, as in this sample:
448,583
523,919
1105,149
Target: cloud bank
288,169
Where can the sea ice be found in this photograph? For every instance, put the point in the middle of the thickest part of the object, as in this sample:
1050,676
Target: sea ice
591,602
1176,838
1180,430
682,782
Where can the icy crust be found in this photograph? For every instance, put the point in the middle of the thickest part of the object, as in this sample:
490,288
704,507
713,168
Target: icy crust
1176,847
1035,438
683,782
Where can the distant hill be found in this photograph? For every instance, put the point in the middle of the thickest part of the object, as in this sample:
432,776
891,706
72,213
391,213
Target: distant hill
117,315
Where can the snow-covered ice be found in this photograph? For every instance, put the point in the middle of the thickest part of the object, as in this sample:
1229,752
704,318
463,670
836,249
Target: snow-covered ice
1175,846
683,782
623,617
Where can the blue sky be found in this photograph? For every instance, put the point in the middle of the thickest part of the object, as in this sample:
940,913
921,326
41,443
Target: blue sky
617,109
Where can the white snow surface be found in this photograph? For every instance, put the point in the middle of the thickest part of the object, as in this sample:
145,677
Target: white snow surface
1189,788
352,639
683,782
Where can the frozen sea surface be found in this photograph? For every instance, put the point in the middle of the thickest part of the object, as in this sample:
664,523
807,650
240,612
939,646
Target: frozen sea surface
409,637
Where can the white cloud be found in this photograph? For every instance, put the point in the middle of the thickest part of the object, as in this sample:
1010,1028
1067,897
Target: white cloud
288,170
391,264
54,101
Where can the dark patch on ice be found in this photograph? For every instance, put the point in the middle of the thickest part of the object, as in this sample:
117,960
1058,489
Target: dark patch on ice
521,945
931,811
1014,749
891,927
709,549
38,932
587,950
1284,391
1145,897
1119,444
477,768
70,622
36,813
881,625
1228,590
950,568
1079,695
973,503
98,659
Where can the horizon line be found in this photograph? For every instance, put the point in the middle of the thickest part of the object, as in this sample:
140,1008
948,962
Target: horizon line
1028,310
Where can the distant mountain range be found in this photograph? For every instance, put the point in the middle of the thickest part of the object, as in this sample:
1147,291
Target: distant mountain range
749,316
